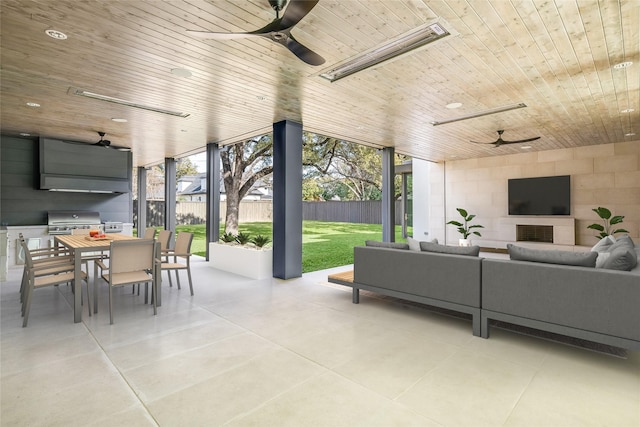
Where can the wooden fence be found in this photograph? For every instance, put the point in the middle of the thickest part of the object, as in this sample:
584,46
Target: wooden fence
363,212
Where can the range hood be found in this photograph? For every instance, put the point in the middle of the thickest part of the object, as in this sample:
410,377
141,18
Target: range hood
82,167
83,184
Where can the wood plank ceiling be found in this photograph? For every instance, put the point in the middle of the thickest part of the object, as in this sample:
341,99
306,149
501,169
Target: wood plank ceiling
557,57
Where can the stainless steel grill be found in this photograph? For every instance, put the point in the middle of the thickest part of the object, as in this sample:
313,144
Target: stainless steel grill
62,222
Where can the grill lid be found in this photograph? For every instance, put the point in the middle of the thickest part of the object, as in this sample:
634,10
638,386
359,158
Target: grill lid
73,217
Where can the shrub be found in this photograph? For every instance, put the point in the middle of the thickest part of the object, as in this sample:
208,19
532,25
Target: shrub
228,237
260,240
243,238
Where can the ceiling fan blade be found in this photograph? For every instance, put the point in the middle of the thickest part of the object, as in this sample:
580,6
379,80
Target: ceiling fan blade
519,141
301,51
221,36
295,11
273,26
484,143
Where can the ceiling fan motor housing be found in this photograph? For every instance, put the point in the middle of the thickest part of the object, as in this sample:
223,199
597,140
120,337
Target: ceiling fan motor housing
278,5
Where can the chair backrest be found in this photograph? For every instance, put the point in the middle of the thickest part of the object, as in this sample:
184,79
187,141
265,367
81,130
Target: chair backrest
28,259
149,233
131,255
164,236
183,243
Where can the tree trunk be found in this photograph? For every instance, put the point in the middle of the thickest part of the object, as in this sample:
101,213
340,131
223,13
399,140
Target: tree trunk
232,214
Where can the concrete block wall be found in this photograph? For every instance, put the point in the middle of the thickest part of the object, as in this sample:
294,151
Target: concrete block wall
601,175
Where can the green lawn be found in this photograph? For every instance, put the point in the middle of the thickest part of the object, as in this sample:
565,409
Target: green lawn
324,244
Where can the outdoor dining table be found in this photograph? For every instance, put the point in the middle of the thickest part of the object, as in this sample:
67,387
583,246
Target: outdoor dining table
79,244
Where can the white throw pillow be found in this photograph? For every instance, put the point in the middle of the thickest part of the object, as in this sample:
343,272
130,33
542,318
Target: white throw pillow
603,244
414,244
602,247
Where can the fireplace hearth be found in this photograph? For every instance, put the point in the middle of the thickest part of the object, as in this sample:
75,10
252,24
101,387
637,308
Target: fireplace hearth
534,233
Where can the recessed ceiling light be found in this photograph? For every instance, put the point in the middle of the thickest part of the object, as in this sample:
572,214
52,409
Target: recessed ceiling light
630,134
33,104
24,134
623,65
628,110
115,119
56,34
453,105
181,72
526,147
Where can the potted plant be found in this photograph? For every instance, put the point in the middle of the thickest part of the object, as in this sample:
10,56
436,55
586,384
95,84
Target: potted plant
608,222
242,254
464,228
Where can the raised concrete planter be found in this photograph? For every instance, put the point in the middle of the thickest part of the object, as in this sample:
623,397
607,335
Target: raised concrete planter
245,261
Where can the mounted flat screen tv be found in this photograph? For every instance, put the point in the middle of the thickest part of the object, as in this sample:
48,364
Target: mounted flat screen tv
549,195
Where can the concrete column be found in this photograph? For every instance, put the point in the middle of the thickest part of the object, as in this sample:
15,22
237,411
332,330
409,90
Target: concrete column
213,194
141,211
287,199
388,193
170,195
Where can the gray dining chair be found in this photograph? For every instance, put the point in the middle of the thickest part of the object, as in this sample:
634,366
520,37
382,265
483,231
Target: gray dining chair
40,275
178,259
149,233
130,262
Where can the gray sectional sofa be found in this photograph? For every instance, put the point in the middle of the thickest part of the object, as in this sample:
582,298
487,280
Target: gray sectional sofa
441,280
594,304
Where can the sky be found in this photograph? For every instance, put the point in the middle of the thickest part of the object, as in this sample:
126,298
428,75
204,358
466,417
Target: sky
200,160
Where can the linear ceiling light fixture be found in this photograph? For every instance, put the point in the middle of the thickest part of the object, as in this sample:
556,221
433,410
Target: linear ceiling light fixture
81,92
393,49
480,114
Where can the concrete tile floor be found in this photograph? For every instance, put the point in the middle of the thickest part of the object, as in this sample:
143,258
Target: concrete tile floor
290,353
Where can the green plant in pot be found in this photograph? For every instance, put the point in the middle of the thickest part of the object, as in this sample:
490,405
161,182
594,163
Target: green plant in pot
464,228
608,221
260,241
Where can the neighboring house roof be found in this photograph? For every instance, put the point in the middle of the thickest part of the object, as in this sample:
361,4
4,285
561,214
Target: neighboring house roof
196,185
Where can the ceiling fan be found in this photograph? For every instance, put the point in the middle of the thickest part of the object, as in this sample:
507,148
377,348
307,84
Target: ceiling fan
107,144
498,142
279,30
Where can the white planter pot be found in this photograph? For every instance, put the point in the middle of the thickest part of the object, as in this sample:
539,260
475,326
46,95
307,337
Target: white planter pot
248,262
464,242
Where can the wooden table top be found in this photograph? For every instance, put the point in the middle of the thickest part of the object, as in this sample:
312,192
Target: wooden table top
84,242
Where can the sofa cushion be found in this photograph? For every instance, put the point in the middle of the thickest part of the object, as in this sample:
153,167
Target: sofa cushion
603,244
388,245
454,250
414,244
622,242
620,259
581,259
602,248
620,255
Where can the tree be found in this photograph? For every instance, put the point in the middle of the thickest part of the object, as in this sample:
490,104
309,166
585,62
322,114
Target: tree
184,167
345,169
331,167
243,164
